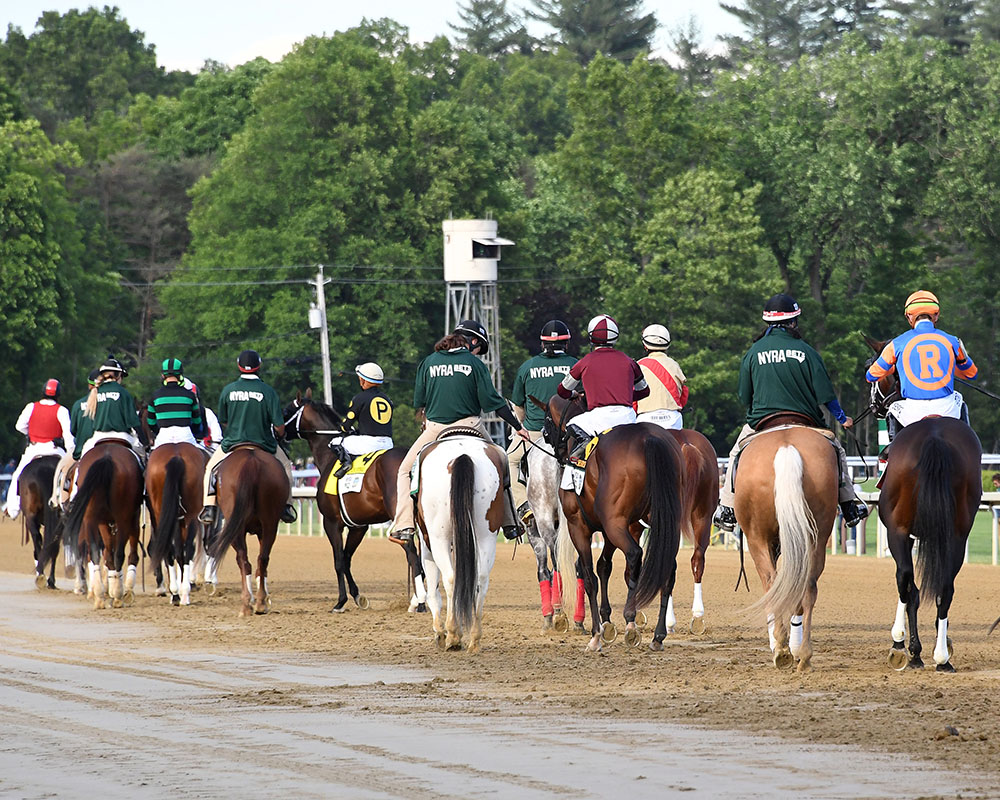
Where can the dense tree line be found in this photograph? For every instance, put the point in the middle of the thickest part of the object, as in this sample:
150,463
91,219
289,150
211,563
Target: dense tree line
845,152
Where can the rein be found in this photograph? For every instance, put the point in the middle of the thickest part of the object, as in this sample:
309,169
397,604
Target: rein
978,389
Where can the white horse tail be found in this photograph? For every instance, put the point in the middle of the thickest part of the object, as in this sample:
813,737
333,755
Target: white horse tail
797,536
566,561
463,485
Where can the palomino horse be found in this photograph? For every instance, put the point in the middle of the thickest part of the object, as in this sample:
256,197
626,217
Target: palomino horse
40,520
373,504
786,501
105,514
635,473
459,512
252,489
929,494
174,478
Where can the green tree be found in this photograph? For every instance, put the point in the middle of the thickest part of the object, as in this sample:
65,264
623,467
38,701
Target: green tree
489,28
835,19
949,21
614,28
778,31
696,65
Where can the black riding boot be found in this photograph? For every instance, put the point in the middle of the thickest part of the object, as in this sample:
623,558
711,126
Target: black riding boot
581,438
345,458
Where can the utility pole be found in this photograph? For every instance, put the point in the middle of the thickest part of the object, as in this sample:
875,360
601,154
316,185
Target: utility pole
317,319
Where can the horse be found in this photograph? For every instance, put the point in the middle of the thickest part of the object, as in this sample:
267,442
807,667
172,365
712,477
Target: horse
375,503
174,477
930,493
459,513
39,519
252,488
636,472
786,502
105,516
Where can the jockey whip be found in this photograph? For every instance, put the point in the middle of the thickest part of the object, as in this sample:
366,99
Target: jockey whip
978,389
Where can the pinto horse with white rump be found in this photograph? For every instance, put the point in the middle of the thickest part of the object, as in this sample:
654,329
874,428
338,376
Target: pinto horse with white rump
786,501
459,513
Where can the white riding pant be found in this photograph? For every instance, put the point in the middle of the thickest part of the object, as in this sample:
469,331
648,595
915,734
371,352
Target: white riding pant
127,436
220,454
357,444
664,417
601,419
31,452
175,434
909,411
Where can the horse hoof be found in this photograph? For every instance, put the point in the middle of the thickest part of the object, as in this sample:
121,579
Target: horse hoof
422,608
211,589
640,619
697,625
803,666
50,583
897,659
671,629
128,598
633,637
246,611
338,610
578,628
945,667
783,658
99,605
175,599
656,645
608,632
261,610
161,591
594,645
39,581
560,623
117,603
362,602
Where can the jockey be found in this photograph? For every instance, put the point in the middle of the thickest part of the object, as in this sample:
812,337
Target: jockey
926,361
611,381
82,428
453,388
668,391
538,377
212,431
112,410
173,410
249,409
368,425
46,424
781,373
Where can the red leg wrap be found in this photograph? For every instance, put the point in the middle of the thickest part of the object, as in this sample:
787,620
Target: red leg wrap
578,614
557,590
546,589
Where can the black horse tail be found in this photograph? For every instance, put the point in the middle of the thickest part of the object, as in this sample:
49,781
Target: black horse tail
934,518
167,523
100,475
243,507
463,484
659,562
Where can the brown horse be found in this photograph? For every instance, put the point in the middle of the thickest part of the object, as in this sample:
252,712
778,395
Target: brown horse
930,493
252,489
355,511
786,501
40,520
105,515
635,473
174,477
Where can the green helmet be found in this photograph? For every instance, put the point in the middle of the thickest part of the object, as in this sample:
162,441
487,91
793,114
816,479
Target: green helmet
172,367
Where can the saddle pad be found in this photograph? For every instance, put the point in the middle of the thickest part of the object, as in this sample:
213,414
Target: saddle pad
351,482
573,478
462,430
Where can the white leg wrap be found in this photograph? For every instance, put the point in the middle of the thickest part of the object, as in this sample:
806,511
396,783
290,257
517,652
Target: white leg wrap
941,648
174,579
795,634
899,626
770,632
250,583
697,605
211,571
185,587
94,572
130,577
114,584
419,589
671,618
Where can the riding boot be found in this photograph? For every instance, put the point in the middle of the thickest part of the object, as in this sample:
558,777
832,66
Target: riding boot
345,459
289,514
854,512
580,436
511,530
725,519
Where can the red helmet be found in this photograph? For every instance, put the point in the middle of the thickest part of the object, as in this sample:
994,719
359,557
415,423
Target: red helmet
602,330
51,388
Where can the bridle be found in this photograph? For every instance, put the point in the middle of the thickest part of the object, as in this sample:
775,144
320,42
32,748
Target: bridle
556,434
292,424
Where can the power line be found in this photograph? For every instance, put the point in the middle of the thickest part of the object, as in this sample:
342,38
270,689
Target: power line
359,281
195,268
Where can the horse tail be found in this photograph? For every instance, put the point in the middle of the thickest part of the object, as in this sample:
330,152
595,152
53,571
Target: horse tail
659,562
566,557
797,536
54,525
167,523
246,488
463,484
100,475
934,519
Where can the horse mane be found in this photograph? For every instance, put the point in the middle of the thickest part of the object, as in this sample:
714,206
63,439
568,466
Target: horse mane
328,412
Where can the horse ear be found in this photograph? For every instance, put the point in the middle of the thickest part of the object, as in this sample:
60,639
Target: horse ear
309,393
874,344
539,403
298,396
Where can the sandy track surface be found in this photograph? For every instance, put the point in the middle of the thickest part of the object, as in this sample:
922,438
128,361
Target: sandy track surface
169,698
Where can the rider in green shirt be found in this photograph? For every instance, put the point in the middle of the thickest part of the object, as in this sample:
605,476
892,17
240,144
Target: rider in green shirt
112,410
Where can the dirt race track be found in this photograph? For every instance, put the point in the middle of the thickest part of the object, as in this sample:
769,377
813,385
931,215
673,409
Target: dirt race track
160,701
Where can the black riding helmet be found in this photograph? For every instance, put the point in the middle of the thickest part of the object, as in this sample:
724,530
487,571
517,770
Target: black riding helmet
781,309
555,331
112,364
474,332
172,367
248,361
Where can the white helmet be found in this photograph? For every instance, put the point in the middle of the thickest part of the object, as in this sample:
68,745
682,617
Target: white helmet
602,330
656,337
370,371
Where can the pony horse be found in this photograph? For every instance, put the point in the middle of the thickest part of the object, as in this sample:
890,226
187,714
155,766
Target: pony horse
40,520
373,504
252,489
459,513
930,493
786,502
174,478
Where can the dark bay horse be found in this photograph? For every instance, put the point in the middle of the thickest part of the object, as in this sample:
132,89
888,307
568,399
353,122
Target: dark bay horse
252,489
635,473
105,516
930,493
40,520
174,478
786,501
373,504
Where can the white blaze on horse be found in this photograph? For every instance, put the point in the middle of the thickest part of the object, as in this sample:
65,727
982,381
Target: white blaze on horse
459,512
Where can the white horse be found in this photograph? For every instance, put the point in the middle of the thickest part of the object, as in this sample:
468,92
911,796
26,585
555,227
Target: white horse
460,511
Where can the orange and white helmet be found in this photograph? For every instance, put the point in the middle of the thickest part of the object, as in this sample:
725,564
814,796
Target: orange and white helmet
919,303
602,330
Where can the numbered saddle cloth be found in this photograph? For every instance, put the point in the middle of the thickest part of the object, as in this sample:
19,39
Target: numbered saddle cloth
576,469
351,482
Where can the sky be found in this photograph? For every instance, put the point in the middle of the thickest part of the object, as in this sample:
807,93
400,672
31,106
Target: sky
187,32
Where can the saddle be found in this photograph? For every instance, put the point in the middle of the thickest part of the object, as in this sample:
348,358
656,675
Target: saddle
784,419
352,480
462,430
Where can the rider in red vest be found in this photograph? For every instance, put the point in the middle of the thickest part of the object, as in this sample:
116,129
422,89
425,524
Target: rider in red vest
46,424
668,391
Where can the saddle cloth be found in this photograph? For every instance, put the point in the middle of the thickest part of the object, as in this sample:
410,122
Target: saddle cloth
576,469
351,482
454,432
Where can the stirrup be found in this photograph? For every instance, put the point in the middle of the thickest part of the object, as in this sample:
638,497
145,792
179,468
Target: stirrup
525,514
343,469
725,519
289,514
403,536
208,515
854,512
511,532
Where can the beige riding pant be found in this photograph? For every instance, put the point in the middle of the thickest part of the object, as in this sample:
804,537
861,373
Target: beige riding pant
219,455
60,492
517,450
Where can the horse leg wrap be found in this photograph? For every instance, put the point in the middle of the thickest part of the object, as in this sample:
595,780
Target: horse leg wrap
545,587
557,590
770,632
670,618
795,634
941,647
578,614
899,625
697,605
419,589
